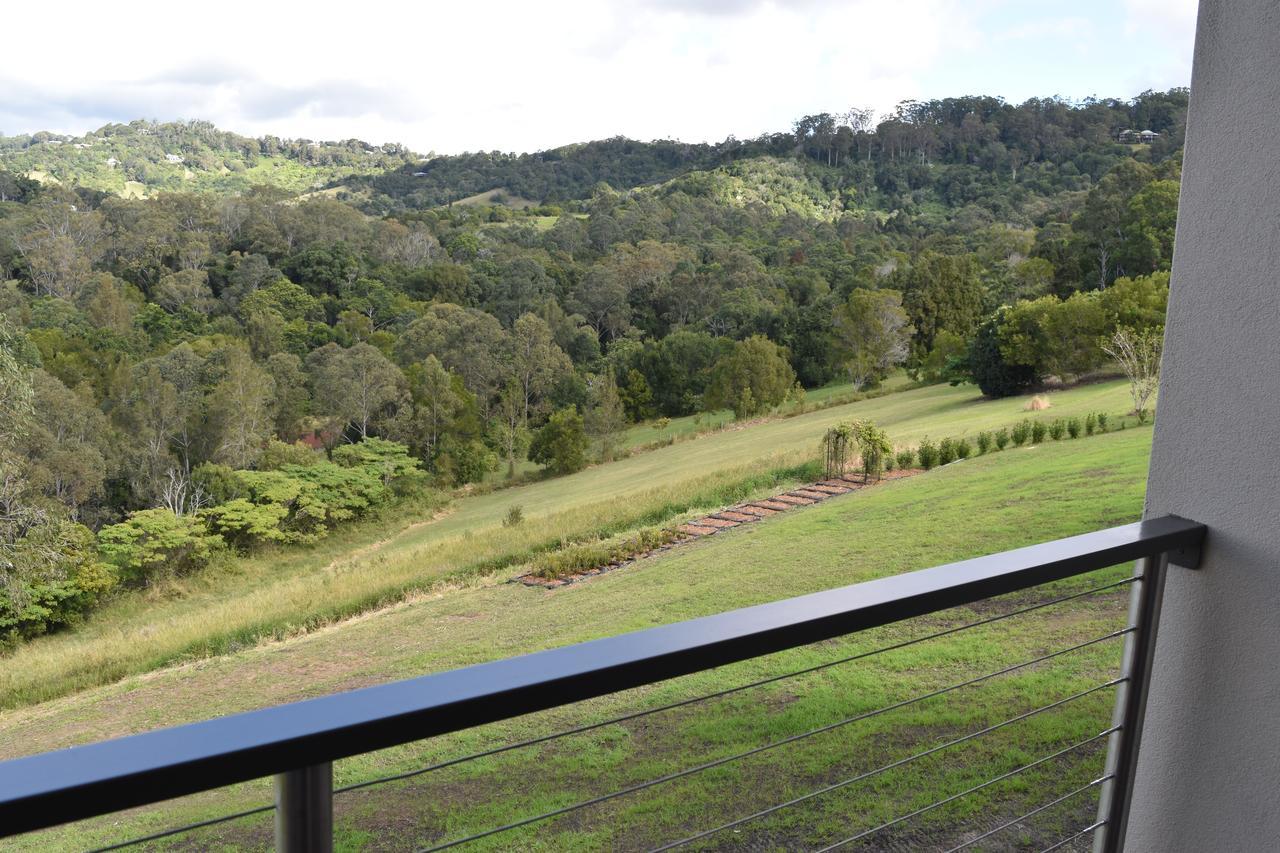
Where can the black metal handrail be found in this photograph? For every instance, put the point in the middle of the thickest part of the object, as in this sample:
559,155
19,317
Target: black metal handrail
298,741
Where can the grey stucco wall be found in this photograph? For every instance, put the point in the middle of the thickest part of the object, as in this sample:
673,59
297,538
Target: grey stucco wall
1208,775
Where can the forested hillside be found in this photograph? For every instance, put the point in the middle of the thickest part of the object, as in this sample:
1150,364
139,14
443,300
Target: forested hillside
222,365
145,157
1062,146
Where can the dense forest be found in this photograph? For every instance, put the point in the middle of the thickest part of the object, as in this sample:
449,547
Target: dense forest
226,363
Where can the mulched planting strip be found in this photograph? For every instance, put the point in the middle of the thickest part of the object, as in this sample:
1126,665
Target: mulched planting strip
731,517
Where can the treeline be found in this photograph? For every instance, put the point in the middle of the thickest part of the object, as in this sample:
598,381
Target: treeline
1045,145
163,343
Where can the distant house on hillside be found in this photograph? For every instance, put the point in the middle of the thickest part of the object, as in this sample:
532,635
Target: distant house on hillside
112,162
1135,137
173,158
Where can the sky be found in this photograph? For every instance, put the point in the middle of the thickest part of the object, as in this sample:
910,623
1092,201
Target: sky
524,76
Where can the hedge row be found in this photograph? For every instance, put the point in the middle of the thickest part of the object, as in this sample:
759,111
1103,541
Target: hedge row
1027,431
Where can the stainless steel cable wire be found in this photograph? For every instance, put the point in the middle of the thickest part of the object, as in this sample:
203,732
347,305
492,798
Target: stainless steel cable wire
395,777
1037,810
772,745
156,836
1064,842
891,766
1003,776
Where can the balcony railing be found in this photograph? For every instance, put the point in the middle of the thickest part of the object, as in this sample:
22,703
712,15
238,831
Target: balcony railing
298,743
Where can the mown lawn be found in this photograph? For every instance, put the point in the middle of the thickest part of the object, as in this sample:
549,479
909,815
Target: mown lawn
660,431
286,592
978,506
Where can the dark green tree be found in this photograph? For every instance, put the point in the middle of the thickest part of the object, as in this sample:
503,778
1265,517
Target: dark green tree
753,378
561,444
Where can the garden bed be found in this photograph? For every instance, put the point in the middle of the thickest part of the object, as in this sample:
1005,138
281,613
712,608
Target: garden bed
647,543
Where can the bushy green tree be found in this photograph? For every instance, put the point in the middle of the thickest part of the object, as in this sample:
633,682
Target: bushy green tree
872,334
155,543
1056,337
388,459
989,368
242,522
49,576
941,293
678,367
637,396
1147,229
1137,303
561,444
753,378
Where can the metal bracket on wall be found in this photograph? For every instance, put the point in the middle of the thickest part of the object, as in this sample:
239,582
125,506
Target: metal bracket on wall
1187,557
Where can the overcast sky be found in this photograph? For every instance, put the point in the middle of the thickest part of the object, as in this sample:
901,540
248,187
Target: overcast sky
521,76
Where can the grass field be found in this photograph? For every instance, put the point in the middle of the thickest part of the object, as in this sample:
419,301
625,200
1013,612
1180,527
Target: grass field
492,197
280,594
974,507
655,433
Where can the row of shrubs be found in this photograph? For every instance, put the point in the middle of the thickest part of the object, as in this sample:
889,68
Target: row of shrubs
929,454
298,497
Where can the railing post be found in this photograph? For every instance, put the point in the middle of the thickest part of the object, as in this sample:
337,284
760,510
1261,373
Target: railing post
1131,704
304,809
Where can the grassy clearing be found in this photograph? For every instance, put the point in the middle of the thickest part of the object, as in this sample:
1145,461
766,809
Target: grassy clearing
276,595
499,195
985,504
657,433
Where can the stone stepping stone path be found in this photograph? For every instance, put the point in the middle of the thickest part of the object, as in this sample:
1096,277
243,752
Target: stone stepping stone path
734,516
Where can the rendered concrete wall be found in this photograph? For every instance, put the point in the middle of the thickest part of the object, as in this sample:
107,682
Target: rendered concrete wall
1208,775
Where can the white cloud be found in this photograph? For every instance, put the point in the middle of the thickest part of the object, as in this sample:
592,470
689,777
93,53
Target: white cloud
503,74
1162,34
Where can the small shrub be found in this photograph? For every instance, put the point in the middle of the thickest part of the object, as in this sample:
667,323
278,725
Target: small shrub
1057,430
984,442
888,462
662,423
1038,430
1073,427
1102,421
1021,432
873,447
1090,423
906,458
963,448
946,451
1002,439
515,515
927,453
